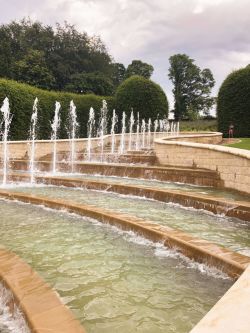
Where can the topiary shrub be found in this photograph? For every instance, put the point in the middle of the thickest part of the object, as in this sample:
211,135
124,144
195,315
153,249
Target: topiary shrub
233,105
143,96
21,97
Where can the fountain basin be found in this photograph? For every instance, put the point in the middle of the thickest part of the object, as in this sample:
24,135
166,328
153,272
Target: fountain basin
111,279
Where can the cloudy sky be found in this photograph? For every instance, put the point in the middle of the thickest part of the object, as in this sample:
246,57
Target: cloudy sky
216,33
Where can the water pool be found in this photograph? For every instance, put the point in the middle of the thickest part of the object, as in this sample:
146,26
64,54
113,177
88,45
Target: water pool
112,280
225,231
227,194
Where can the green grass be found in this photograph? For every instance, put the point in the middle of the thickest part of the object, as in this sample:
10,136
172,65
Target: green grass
243,144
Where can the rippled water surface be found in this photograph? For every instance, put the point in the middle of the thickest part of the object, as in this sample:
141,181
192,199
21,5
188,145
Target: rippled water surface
230,195
228,232
112,280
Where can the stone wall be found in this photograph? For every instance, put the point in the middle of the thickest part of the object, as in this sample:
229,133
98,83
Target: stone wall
232,164
21,149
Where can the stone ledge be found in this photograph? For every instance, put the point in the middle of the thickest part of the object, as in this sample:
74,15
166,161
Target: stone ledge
232,208
42,308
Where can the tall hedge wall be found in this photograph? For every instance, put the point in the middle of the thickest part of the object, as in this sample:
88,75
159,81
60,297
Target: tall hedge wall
21,97
234,103
143,96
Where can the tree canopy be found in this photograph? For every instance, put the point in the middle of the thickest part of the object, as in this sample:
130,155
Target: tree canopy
233,105
192,87
61,59
137,67
52,58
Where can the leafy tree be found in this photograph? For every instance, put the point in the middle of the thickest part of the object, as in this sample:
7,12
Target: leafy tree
33,70
62,52
86,83
233,104
143,95
137,67
119,72
192,86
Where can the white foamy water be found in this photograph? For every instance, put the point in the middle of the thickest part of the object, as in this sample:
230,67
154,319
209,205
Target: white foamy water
11,321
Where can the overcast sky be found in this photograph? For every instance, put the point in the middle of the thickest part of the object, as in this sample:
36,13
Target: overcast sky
216,33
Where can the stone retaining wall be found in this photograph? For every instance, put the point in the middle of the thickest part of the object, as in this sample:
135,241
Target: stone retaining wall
42,308
232,164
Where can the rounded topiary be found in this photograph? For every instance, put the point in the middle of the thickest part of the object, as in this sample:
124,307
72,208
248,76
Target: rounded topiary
144,96
233,104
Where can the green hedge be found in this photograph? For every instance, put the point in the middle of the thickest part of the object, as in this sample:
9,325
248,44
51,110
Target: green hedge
143,96
234,103
21,97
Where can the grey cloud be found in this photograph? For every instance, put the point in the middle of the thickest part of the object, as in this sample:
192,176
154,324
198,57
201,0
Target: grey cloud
213,32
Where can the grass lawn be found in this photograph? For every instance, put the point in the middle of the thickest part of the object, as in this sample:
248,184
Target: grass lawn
243,144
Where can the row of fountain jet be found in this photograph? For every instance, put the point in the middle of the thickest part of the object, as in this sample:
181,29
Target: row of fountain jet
141,134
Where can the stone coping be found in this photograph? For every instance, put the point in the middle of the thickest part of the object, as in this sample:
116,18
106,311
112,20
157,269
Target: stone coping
231,313
231,208
229,150
41,306
200,250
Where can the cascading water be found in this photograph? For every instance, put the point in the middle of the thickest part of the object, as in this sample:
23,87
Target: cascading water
32,139
143,130
55,126
137,143
131,126
5,126
149,133
91,124
122,141
72,131
113,125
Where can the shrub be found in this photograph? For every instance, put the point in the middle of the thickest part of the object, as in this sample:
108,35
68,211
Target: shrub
21,97
234,103
143,96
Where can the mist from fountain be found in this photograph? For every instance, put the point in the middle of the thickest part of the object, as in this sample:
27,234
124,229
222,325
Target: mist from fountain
33,126
113,126
131,127
55,127
5,126
91,125
122,140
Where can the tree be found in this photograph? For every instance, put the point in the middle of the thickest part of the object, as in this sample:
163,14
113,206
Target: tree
85,83
62,52
233,104
33,70
137,67
192,86
143,95
119,72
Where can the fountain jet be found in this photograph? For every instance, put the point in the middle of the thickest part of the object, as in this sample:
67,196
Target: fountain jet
55,126
32,139
5,126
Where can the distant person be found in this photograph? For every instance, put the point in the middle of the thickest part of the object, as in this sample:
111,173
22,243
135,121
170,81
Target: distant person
231,131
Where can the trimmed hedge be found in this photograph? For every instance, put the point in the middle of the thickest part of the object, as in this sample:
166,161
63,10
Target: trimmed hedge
143,96
21,97
233,104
